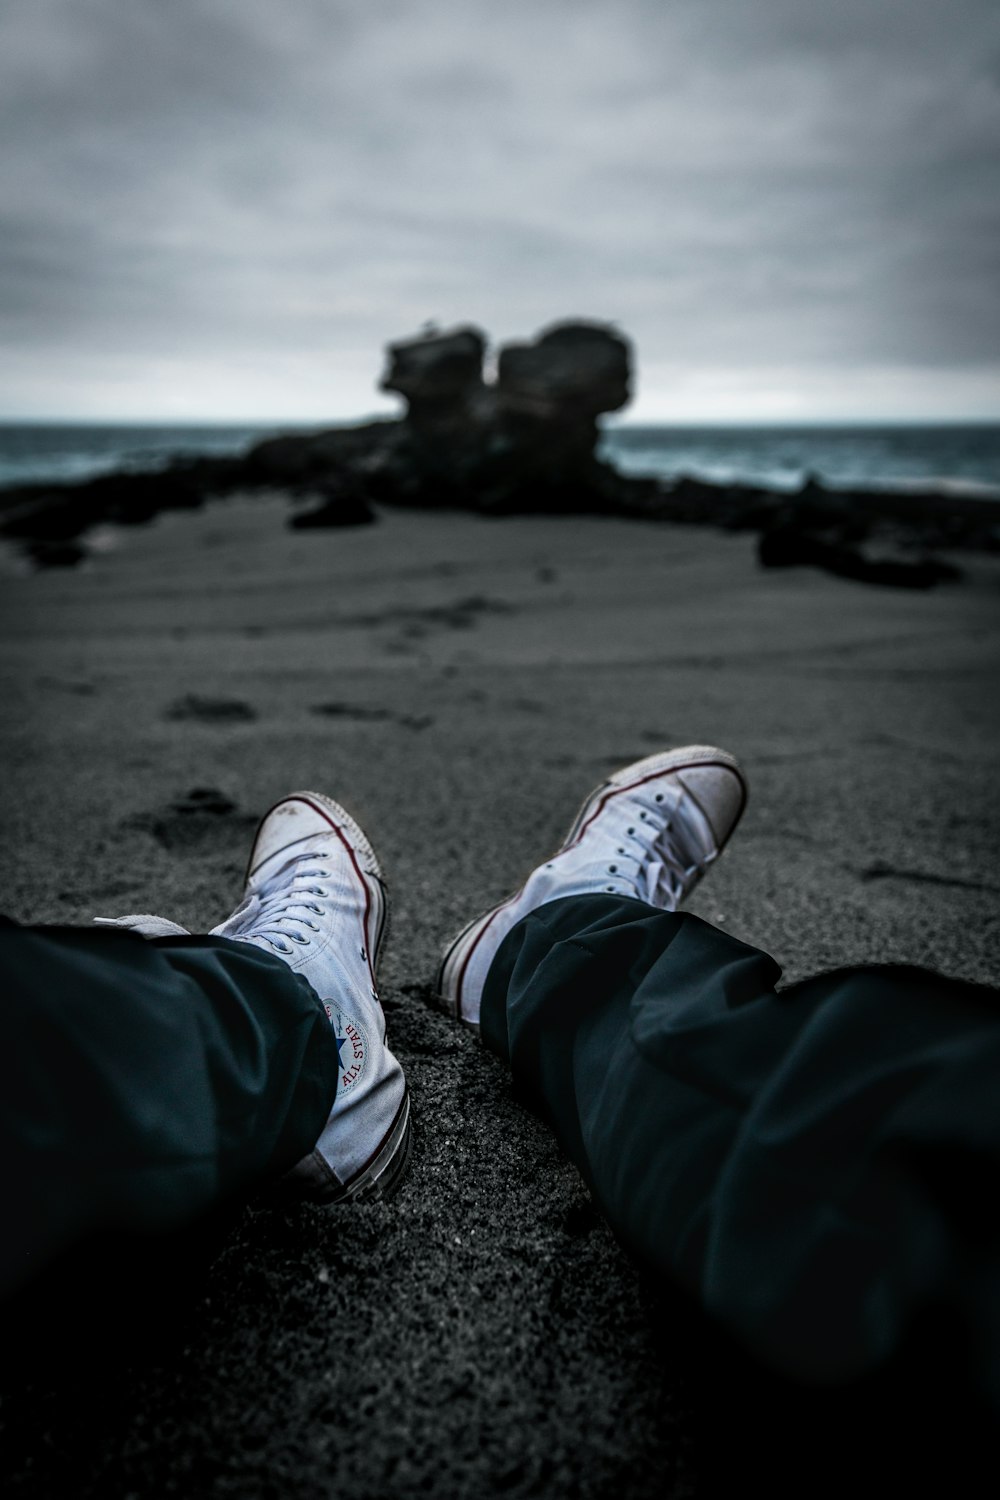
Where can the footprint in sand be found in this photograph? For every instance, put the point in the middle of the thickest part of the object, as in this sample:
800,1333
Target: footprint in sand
358,714
203,819
211,710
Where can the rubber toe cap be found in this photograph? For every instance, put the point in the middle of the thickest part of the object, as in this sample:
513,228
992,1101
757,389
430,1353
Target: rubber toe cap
289,821
720,792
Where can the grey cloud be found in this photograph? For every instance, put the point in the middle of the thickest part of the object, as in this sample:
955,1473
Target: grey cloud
203,183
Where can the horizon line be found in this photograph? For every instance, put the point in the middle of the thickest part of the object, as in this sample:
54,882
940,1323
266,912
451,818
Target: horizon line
614,424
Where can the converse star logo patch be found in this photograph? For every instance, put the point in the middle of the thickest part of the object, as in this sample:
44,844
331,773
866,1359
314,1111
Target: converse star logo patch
352,1046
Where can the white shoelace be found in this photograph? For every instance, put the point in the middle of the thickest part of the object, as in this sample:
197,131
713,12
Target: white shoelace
145,924
665,846
279,912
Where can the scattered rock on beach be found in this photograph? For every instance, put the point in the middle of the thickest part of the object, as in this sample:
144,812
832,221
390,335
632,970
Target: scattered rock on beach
53,554
787,546
338,502
59,512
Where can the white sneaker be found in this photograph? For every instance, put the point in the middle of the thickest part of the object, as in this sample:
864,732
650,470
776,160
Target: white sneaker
314,896
650,832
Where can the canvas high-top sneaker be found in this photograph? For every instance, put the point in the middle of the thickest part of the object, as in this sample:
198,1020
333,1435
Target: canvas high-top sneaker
314,896
649,832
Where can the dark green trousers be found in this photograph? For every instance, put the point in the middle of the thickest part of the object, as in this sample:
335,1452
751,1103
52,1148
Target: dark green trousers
818,1166
145,1083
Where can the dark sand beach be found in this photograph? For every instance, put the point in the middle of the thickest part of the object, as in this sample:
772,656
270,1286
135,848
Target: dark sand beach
461,684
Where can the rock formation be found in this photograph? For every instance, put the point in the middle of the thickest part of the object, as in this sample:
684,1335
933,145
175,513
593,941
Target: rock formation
524,442
439,375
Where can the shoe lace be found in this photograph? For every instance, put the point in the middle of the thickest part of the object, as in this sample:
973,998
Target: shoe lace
277,912
666,846
145,924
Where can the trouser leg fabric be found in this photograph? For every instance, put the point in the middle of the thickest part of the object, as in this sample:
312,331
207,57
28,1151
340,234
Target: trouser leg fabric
142,1083
815,1164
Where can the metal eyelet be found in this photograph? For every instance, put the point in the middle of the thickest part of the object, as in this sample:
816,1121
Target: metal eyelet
297,937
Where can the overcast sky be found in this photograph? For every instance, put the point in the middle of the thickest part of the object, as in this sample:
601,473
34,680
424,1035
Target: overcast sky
224,208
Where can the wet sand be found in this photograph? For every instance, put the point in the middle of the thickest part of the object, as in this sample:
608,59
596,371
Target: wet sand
461,684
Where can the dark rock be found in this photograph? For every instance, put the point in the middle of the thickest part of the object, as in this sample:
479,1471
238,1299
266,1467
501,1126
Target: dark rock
43,515
582,369
131,499
49,554
438,374
444,438
53,517
788,546
524,444
302,458
548,396
337,503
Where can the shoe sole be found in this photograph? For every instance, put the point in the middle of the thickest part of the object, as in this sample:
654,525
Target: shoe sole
691,757
381,1175
311,1181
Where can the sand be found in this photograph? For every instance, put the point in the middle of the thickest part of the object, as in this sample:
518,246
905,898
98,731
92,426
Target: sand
461,684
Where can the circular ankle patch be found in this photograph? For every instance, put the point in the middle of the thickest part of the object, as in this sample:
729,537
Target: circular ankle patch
352,1046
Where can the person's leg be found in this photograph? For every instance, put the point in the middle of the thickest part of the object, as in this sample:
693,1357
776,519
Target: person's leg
147,1078
142,1083
817,1165
814,1165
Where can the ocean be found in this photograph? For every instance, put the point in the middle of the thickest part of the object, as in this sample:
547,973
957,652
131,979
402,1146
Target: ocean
960,459
38,451
947,458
